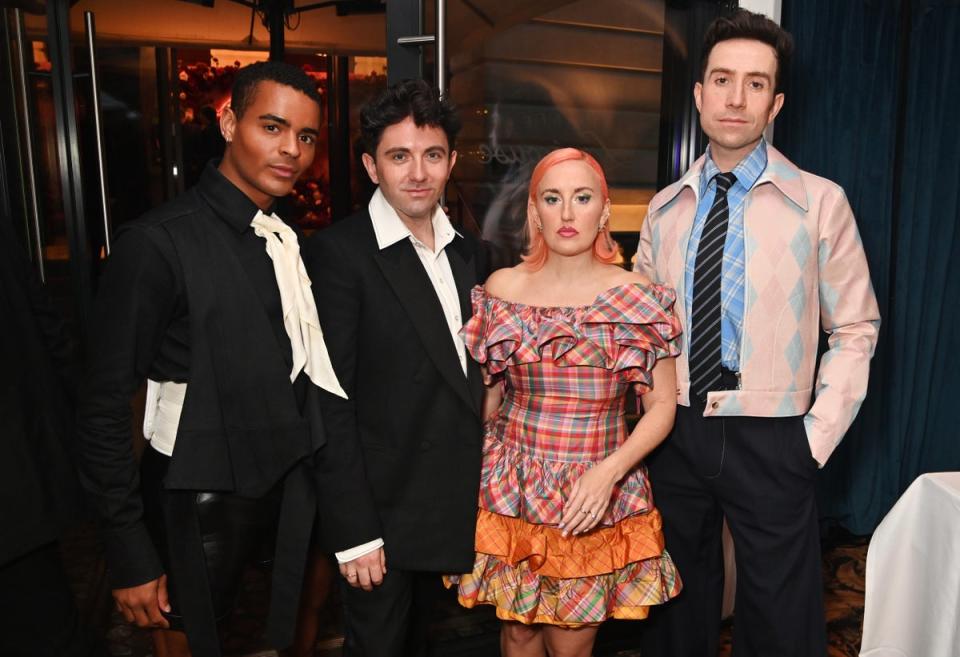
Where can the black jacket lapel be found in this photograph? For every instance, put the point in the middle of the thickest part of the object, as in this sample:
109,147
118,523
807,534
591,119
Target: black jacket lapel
404,272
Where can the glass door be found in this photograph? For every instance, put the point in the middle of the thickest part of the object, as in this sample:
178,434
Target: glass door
47,181
532,76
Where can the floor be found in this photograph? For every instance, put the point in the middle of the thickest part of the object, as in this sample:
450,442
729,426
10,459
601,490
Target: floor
459,632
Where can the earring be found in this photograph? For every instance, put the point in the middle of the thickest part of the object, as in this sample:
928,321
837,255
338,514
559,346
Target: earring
604,218
540,227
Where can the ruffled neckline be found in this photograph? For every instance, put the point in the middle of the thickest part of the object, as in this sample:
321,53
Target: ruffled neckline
607,296
626,329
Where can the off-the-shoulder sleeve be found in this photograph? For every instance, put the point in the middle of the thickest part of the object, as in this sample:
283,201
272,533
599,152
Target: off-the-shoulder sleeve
494,333
636,327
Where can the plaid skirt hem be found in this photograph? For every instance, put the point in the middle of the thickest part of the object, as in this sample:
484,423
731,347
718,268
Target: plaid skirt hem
522,595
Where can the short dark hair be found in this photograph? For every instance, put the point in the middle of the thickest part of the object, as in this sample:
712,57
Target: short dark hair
743,24
248,77
413,98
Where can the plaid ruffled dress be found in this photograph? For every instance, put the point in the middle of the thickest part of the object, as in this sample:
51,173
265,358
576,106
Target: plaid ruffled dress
566,372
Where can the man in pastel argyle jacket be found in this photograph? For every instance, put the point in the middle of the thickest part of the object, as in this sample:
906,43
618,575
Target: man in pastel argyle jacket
748,447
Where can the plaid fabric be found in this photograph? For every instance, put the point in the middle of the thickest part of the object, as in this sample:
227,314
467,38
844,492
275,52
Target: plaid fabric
533,488
520,594
733,269
565,372
625,330
549,553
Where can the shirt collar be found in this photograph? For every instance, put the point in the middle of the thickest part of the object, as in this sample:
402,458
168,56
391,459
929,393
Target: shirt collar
747,171
779,171
226,199
390,229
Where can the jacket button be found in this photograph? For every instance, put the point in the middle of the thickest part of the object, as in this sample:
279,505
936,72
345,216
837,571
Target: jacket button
426,444
715,405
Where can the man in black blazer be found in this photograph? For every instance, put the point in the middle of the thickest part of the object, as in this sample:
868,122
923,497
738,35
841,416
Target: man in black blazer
392,285
204,297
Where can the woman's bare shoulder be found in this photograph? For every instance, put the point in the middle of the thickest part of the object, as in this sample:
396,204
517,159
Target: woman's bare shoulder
619,276
505,282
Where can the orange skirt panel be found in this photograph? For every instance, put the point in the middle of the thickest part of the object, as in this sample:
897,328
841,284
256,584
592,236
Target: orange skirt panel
550,554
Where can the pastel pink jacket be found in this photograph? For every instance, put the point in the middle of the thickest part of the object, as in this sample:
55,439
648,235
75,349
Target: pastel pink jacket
805,269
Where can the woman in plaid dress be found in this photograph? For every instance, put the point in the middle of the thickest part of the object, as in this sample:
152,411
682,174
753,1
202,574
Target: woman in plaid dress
567,534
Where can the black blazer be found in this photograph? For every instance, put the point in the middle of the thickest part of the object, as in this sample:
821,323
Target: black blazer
189,295
410,434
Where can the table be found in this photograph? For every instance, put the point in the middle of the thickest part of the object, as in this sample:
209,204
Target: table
912,601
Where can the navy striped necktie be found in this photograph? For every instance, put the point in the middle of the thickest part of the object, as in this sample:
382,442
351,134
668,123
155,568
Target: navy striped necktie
704,325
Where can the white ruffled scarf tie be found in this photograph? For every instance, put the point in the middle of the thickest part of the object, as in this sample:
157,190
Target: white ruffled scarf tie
296,299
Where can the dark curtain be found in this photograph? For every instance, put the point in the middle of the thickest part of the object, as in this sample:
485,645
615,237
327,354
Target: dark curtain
872,102
926,292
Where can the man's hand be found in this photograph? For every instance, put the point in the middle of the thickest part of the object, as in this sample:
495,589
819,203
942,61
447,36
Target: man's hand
142,604
366,571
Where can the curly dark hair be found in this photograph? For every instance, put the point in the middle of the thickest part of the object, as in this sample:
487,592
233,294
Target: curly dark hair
414,98
743,24
248,77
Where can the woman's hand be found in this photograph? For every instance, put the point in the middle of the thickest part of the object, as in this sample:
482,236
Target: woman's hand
589,498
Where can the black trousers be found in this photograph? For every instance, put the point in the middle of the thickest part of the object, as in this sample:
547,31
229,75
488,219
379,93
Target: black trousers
234,532
38,615
391,620
759,474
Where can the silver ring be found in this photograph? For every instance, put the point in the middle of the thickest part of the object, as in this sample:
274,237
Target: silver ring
593,515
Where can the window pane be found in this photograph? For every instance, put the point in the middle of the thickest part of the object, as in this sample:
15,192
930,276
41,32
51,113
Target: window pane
530,77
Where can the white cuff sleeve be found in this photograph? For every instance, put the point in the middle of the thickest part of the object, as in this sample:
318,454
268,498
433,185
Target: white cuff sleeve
359,551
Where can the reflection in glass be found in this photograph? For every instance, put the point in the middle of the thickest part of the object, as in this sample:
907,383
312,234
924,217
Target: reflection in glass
205,80
531,76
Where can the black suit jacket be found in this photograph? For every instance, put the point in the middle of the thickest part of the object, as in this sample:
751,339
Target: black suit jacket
409,435
189,295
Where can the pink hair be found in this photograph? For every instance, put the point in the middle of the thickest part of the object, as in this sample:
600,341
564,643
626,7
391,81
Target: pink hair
604,248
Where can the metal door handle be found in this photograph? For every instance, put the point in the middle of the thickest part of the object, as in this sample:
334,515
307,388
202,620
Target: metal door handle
32,198
440,38
91,32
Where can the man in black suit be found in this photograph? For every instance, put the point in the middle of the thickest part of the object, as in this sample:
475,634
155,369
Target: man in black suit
392,285
206,298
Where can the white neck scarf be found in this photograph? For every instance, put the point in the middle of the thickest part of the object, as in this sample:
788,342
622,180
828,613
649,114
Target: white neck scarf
296,299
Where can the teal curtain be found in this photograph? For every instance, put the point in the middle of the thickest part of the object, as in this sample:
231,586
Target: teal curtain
925,323
872,102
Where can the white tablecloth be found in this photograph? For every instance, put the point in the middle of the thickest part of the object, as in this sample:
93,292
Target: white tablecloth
912,605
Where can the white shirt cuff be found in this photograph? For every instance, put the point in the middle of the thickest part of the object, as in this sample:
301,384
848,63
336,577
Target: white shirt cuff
359,551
